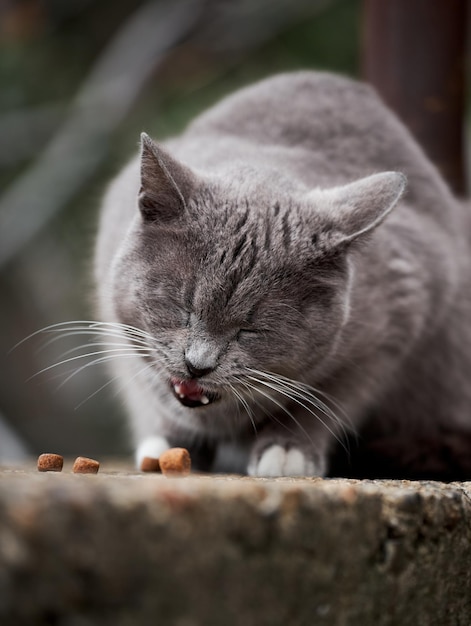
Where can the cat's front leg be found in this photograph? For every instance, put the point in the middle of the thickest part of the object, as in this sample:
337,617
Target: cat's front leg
152,446
202,452
275,454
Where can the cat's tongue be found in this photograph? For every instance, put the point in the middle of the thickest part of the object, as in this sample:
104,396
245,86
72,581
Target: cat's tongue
190,390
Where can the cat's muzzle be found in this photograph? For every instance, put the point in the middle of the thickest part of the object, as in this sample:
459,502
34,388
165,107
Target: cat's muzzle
191,394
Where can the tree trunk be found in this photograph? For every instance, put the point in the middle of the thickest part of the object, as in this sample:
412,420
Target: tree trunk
414,55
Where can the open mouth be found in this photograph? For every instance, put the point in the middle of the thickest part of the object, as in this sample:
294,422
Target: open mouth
191,394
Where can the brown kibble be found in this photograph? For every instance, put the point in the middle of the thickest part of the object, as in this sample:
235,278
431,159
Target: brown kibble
82,465
175,462
149,464
50,462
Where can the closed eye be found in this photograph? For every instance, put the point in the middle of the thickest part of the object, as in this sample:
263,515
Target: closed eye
251,332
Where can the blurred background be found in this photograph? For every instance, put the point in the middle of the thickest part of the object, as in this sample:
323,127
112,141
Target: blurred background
79,81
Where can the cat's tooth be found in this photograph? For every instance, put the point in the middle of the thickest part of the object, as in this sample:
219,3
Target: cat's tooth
178,390
204,400
181,395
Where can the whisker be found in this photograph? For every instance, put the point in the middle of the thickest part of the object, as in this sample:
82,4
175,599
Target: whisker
97,391
308,394
108,344
281,406
314,392
107,341
296,399
102,359
89,326
126,329
113,380
295,385
265,411
292,396
92,333
90,354
245,405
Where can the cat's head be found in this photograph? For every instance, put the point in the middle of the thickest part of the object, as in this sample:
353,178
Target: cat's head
237,276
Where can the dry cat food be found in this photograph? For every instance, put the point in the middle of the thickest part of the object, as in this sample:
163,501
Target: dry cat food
150,464
175,462
83,465
50,462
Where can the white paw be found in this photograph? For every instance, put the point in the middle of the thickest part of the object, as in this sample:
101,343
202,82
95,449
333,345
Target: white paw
278,461
152,447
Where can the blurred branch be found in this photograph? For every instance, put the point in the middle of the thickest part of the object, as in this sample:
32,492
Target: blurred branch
22,132
74,154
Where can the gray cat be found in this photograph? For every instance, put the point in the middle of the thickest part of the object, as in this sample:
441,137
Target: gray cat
275,286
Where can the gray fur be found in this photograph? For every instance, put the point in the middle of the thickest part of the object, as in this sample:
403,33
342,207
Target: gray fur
272,236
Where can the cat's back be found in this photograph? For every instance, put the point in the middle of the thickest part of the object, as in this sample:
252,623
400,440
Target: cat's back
325,127
292,108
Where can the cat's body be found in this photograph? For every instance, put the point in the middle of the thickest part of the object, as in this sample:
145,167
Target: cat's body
252,263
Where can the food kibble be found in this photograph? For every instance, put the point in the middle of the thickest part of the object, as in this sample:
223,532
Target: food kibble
50,462
82,465
175,462
149,464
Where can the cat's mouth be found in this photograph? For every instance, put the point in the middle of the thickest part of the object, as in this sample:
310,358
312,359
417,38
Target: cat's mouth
191,394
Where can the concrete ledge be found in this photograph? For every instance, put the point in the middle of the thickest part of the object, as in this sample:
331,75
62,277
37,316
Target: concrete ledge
132,549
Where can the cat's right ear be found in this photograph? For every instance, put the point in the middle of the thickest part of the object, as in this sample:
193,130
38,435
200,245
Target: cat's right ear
166,185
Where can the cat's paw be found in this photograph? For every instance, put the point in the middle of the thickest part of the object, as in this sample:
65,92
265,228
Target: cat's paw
151,447
278,460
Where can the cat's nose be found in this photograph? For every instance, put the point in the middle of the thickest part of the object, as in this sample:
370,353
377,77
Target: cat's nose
201,357
197,372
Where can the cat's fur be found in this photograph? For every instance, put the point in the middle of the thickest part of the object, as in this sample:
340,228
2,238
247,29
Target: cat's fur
273,240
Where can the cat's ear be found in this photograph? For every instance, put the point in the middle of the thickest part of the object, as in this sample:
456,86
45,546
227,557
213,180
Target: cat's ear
350,211
166,185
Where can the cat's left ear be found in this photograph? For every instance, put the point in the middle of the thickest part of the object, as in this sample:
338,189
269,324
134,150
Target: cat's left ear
350,211
166,184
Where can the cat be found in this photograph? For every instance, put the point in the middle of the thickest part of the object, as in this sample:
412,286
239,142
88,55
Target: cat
288,270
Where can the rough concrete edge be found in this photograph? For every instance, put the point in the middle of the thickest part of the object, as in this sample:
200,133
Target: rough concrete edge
337,551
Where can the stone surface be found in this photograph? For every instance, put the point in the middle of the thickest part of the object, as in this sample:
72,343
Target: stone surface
125,549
